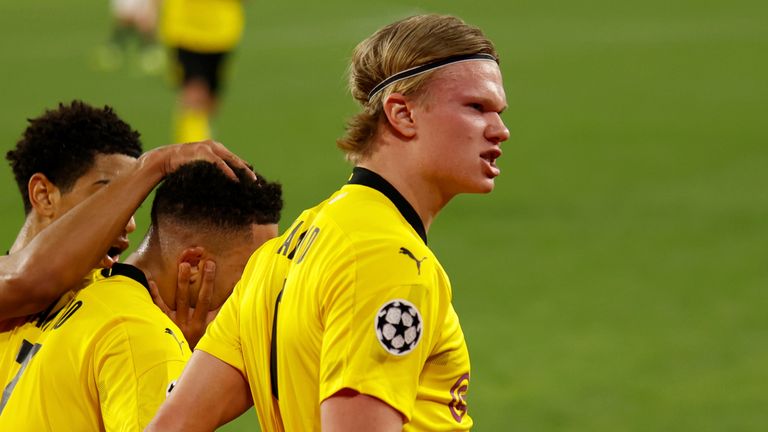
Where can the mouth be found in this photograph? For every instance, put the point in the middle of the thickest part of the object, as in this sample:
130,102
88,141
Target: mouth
113,254
490,157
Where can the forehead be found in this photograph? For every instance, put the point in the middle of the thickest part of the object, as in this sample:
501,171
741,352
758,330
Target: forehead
109,165
471,78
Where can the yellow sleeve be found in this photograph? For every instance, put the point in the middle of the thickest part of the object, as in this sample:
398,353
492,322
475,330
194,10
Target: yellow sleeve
222,338
377,338
136,363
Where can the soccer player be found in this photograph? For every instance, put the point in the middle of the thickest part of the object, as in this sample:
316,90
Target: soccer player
202,34
109,359
134,23
80,182
366,337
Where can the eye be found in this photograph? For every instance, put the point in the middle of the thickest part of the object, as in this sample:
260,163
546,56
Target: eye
477,107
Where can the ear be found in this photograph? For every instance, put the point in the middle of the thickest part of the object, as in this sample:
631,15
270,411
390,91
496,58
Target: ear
43,195
397,108
194,256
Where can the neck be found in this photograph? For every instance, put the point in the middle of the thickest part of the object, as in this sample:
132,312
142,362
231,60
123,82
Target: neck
31,228
425,197
146,259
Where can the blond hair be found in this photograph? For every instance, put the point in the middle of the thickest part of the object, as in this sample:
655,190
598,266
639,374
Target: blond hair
399,46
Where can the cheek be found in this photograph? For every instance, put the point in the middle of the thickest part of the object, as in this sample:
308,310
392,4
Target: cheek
225,283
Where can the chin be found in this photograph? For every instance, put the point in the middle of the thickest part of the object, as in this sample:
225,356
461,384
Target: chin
484,187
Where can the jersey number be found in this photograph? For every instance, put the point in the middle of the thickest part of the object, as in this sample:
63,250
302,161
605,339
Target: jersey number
26,352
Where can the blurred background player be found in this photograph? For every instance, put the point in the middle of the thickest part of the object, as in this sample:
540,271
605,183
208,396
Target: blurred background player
112,355
202,35
134,25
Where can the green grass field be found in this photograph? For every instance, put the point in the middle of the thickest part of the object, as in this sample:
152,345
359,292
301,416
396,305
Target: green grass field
616,280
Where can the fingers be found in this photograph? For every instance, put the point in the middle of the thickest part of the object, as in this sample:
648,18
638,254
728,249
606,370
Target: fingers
205,296
233,159
226,169
182,294
210,151
157,299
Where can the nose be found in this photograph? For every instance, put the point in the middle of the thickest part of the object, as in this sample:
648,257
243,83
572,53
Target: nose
131,226
497,131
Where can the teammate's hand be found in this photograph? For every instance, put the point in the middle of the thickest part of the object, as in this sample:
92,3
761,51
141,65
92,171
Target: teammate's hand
191,320
171,157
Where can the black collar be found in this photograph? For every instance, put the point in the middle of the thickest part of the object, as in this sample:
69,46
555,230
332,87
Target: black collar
365,177
126,270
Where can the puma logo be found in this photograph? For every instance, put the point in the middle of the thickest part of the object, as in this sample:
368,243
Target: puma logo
173,335
408,253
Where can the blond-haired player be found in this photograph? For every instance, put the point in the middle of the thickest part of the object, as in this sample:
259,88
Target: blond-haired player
365,335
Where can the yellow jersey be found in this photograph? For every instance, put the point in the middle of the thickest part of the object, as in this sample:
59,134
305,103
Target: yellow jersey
106,362
241,334
360,302
206,26
367,306
19,342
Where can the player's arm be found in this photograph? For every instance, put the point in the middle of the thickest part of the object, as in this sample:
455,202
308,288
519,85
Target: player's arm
63,253
212,390
350,411
373,386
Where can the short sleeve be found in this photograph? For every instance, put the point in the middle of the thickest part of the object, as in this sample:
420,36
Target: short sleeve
381,322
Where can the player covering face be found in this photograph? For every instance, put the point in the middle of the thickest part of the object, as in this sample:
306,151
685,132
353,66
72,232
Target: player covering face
346,322
111,355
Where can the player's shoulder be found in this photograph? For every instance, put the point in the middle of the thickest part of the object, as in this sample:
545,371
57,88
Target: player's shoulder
122,299
117,290
360,211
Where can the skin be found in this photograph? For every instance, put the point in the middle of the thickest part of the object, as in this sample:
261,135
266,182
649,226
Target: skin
51,203
182,262
458,118
216,391
68,234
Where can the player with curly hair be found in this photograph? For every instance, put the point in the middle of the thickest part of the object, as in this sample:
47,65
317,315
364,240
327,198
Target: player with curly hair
77,170
112,355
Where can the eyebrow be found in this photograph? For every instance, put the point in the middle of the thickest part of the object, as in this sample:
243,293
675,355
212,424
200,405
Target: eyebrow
487,102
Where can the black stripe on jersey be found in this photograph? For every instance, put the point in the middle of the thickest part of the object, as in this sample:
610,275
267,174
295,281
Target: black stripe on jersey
127,270
365,177
273,347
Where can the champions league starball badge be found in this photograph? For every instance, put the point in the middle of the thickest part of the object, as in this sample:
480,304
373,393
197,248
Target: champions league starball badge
398,326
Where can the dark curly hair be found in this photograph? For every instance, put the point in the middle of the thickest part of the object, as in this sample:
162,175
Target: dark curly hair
200,194
63,144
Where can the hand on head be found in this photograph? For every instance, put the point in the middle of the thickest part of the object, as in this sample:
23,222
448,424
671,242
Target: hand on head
175,155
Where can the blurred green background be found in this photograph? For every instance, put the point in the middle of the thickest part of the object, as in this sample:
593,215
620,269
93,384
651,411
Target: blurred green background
616,280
